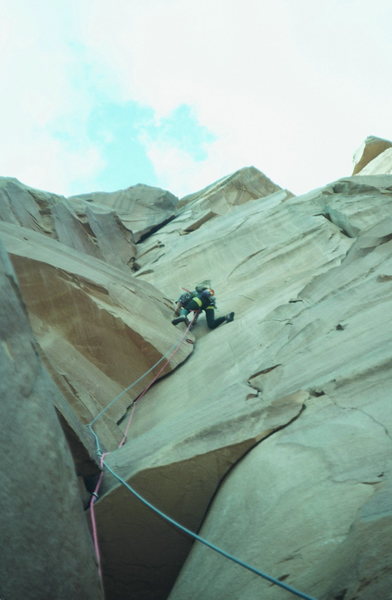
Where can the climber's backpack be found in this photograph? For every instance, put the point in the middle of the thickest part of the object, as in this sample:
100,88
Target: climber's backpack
185,297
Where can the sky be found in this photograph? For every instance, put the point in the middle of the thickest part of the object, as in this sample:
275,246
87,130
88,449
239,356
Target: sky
99,96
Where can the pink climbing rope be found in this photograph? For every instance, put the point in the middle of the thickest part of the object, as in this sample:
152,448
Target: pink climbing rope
94,497
124,439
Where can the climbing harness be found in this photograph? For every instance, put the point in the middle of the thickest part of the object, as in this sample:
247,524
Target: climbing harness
198,301
94,498
103,465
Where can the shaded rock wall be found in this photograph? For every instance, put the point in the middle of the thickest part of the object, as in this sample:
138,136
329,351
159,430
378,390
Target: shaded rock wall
97,327
44,535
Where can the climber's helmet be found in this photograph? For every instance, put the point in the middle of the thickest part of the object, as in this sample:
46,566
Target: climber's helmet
200,288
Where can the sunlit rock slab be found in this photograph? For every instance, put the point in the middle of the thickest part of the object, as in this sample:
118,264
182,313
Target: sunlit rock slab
227,246
338,325
198,210
257,260
240,187
178,470
352,203
311,504
203,420
273,261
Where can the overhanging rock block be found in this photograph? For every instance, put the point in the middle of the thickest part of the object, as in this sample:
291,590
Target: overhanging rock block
45,538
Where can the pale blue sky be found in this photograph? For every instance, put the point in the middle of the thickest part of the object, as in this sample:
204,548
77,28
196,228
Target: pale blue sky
173,93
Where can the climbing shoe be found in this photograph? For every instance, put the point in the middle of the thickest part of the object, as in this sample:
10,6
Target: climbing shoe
229,317
180,320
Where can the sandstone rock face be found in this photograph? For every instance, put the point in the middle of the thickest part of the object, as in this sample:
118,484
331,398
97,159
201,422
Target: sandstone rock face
223,197
313,498
274,436
371,148
44,535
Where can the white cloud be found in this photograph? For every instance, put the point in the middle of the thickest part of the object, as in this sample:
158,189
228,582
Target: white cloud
43,110
291,87
282,87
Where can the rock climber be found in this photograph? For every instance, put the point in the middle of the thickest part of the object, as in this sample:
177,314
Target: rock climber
202,298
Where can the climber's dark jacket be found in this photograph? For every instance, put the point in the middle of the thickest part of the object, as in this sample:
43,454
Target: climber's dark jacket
204,301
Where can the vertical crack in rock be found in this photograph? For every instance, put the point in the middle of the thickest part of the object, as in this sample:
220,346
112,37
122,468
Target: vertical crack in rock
154,229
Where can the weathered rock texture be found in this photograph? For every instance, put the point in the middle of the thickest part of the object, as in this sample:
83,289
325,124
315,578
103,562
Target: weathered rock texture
140,208
89,229
274,436
315,496
46,551
239,187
